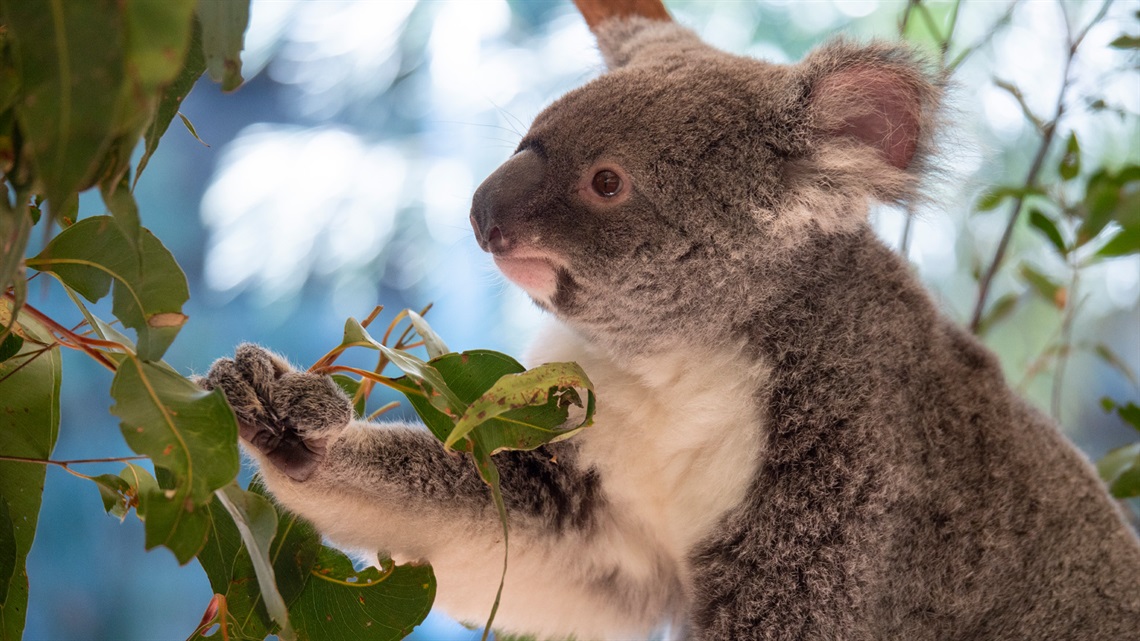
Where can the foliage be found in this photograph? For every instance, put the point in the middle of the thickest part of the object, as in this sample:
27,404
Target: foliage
84,84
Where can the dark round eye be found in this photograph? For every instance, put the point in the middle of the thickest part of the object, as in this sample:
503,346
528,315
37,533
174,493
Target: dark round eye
607,183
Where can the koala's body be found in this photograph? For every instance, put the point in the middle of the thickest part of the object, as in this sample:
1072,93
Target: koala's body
790,443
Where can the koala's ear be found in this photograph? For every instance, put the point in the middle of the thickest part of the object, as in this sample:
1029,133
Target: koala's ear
872,112
630,32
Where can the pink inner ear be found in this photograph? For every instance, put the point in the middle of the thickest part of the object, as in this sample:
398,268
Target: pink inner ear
875,106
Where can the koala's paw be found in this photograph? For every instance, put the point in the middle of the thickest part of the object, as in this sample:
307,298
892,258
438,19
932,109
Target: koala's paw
289,416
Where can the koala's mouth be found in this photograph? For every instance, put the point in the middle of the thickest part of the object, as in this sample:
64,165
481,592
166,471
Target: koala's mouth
535,272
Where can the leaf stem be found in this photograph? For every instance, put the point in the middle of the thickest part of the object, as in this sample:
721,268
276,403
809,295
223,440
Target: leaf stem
70,339
65,465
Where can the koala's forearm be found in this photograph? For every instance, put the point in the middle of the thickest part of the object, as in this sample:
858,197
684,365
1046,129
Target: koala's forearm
395,489
399,471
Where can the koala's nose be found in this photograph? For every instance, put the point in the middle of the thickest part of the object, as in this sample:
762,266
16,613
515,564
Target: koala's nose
505,199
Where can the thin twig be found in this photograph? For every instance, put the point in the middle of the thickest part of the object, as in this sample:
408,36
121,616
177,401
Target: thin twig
1047,135
986,37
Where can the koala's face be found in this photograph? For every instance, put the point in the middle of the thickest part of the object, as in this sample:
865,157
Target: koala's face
625,193
671,189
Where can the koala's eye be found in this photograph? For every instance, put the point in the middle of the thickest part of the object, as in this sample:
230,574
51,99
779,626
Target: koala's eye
607,183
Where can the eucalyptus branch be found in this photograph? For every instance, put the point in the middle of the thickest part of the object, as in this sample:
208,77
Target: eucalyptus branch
997,25
65,465
70,339
1048,131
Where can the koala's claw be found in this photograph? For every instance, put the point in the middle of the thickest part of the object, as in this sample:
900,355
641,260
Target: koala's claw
288,415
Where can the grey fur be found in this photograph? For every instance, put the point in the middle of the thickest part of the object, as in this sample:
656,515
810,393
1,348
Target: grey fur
903,491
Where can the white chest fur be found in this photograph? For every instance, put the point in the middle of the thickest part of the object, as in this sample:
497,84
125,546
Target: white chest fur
677,437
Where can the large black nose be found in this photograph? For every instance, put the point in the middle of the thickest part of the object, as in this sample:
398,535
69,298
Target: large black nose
505,198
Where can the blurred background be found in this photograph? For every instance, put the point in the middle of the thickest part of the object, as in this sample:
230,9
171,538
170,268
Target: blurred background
339,178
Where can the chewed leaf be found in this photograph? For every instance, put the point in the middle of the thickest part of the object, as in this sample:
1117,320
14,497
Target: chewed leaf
551,387
382,605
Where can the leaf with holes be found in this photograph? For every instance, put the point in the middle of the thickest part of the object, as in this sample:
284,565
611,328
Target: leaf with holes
375,604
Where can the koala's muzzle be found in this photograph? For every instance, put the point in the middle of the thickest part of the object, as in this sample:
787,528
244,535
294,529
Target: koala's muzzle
505,199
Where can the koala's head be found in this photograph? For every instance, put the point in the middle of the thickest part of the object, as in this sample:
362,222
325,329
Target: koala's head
671,185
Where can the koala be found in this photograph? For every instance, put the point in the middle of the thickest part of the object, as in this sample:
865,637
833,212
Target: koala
791,441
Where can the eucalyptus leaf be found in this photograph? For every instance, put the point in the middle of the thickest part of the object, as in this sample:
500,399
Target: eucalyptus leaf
256,520
149,286
71,62
171,97
1070,165
432,342
15,229
550,387
378,605
181,427
999,311
29,403
1120,468
223,31
9,550
1047,227
1126,242
115,493
1040,283
175,521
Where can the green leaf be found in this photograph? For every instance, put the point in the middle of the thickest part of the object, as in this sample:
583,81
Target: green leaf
70,58
1070,165
10,346
181,427
9,551
171,97
1102,193
149,286
1120,468
999,311
432,342
175,521
1126,242
1125,41
1049,229
29,403
15,228
1129,413
121,203
256,520
544,395
1041,283
231,571
223,31
1108,356
340,603
993,197
158,35
115,493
